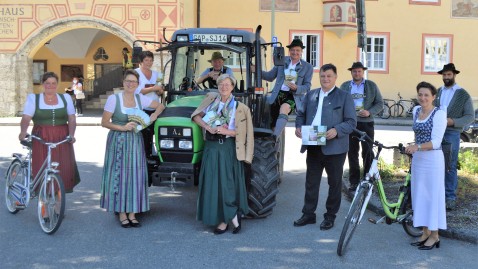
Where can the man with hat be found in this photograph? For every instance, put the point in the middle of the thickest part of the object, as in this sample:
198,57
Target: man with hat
459,109
368,102
293,81
218,68
127,59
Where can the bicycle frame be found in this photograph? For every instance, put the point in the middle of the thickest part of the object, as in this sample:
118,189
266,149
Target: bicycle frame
372,178
48,167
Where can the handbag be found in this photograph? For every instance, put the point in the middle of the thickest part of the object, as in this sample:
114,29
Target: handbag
80,95
446,147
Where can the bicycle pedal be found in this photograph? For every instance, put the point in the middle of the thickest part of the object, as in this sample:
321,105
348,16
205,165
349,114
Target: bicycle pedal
374,221
20,206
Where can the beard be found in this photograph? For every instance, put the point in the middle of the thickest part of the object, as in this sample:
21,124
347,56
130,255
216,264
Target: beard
449,82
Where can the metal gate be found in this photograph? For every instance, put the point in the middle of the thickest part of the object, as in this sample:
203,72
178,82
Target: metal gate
107,77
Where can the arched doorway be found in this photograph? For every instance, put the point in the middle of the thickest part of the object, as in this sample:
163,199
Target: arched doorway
103,36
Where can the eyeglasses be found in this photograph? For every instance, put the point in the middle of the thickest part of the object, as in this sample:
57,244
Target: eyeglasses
224,84
131,81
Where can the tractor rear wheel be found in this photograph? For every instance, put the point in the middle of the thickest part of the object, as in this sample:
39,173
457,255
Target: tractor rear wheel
265,176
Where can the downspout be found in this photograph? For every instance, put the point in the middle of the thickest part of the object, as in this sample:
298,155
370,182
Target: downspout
198,14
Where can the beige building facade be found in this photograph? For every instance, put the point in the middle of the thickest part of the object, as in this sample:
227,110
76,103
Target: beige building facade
407,40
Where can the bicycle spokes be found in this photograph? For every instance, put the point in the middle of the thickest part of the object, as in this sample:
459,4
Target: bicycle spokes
51,204
16,188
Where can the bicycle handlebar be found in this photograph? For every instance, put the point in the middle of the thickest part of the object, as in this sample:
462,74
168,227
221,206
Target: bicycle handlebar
28,141
365,137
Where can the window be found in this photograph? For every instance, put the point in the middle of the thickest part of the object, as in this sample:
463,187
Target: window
232,59
39,68
436,52
425,2
377,49
313,48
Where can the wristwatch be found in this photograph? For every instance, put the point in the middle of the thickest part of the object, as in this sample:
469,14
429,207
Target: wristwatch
419,147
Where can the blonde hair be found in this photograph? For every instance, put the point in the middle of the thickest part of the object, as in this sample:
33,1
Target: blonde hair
224,76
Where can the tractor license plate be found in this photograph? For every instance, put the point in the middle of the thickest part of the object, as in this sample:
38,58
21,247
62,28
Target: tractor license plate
211,38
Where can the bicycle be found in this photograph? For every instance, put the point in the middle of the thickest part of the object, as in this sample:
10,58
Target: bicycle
20,188
385,113
407,105
400,211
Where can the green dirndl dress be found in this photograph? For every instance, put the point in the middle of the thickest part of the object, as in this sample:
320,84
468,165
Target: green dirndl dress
222,188
125,174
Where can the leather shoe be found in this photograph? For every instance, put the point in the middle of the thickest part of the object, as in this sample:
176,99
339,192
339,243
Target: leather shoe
304,220
238,228
219,231
353,187
450,204
327,224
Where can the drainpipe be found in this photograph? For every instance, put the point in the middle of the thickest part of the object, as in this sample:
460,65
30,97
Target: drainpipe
198,14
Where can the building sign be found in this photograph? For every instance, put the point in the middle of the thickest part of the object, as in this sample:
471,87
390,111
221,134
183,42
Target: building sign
9,20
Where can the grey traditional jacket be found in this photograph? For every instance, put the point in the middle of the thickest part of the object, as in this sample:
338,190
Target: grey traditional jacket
460,109
338,111
372,102
304,77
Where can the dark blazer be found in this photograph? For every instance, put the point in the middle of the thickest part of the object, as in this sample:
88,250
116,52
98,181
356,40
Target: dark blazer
304,80
372,102
338,111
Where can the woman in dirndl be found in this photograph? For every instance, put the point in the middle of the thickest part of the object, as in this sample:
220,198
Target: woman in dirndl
54,119
227,129
124,187
428,168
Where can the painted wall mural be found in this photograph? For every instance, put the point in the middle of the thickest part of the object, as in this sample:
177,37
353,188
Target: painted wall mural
464,9
144,21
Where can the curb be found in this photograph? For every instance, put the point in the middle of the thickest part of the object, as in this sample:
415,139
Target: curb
375,206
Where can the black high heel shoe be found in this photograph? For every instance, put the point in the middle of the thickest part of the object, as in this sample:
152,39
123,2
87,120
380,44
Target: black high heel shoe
219,231
423,247
419,243
239,220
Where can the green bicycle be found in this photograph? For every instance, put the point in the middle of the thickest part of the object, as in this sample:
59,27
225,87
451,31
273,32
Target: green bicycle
400,211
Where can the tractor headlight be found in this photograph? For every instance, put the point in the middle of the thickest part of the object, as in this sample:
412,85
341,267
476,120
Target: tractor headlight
185,144
236,39
166,143
182,38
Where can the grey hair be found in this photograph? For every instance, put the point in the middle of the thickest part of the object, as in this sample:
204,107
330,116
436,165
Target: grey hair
224,76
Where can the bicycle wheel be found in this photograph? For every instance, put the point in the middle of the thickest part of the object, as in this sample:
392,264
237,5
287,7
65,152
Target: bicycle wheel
51,203
15,187
396,110
352,219
407,223
385,114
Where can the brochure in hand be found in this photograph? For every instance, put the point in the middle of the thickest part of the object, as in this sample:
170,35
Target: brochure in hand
314,135
138,116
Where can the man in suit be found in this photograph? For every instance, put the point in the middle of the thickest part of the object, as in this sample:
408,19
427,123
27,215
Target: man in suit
293,81
368,102
334,108
459,109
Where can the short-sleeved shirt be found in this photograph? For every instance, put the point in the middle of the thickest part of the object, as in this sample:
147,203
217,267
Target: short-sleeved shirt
111,102
143,80
29,107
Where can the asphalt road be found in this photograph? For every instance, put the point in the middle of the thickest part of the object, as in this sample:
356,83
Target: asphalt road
171,237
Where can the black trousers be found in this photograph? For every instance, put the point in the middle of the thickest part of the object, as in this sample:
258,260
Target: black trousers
353,154
148,136
333,164
79,106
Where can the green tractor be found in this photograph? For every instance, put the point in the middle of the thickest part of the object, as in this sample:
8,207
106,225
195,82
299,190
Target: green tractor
179,141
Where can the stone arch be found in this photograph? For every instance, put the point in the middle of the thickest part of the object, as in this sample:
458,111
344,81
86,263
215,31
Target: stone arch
21,80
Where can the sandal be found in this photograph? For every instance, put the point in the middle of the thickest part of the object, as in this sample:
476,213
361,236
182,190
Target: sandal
134,224
125,223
